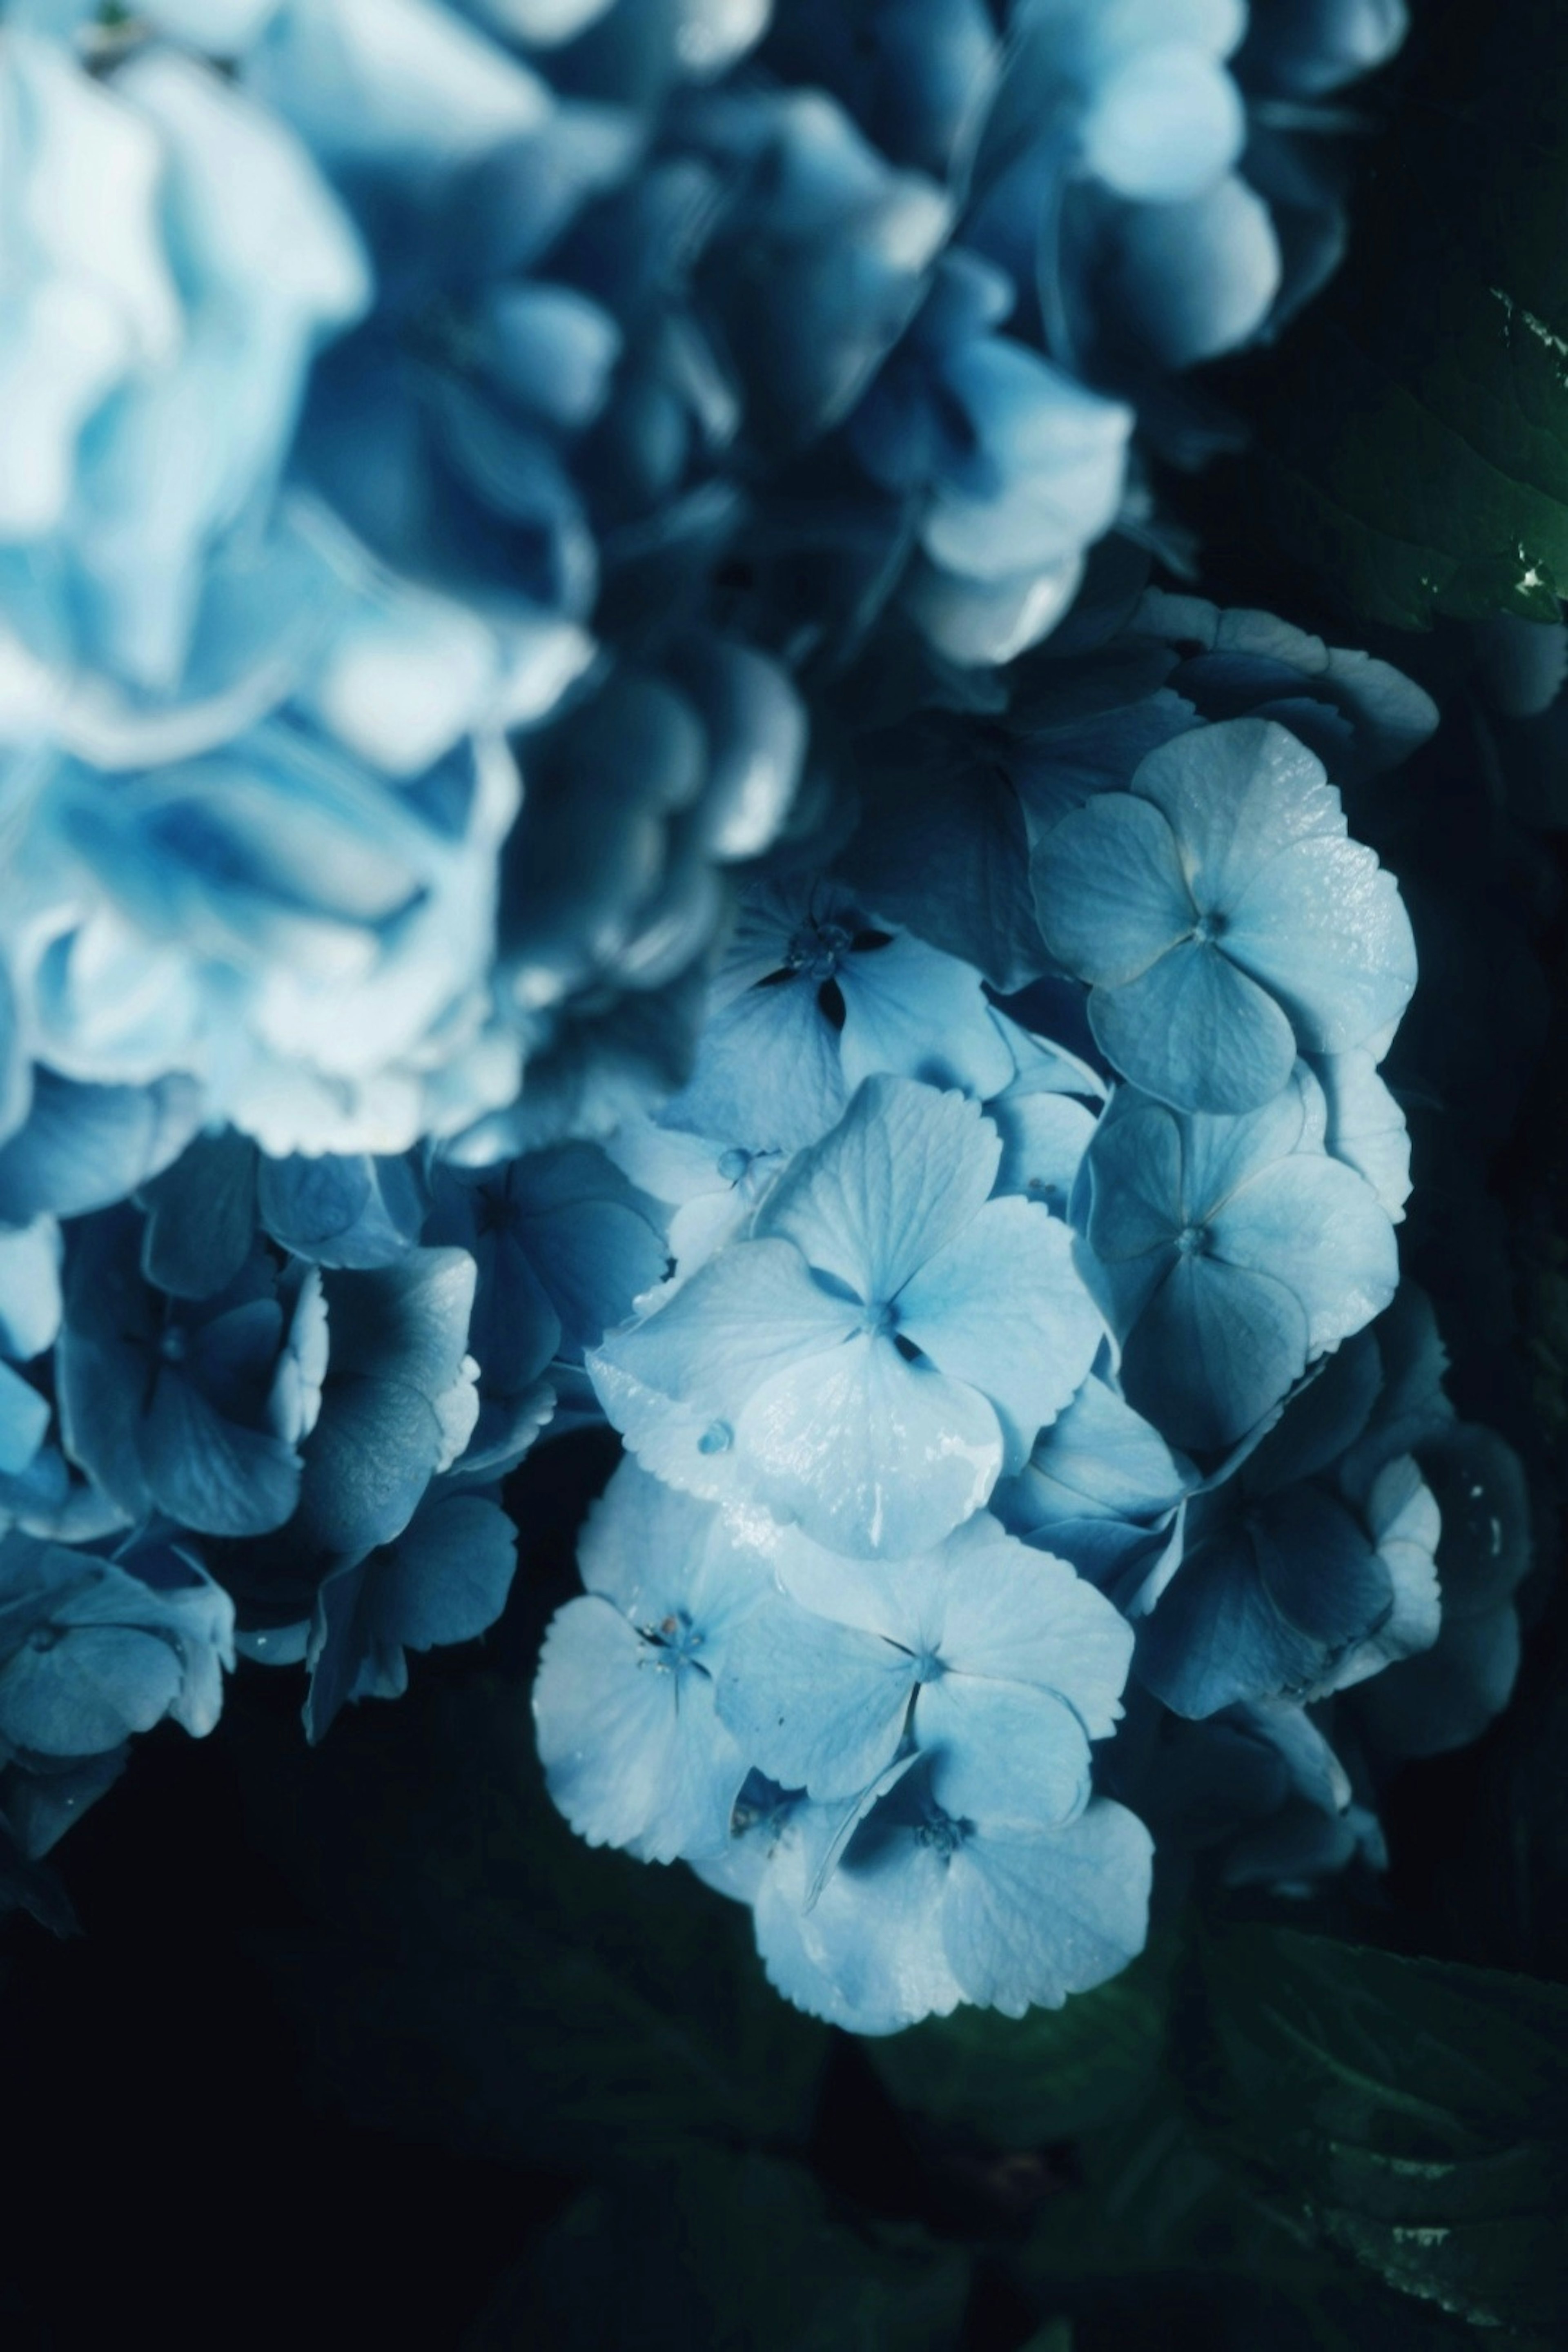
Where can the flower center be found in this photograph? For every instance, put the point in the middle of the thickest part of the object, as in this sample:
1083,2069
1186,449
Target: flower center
1192,1240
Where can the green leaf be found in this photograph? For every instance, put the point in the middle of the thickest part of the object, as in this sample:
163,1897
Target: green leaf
1415,427
471,1973
1051,2075
711,2253
1410,2114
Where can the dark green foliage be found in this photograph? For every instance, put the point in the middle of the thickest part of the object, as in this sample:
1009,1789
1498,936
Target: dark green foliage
1414,438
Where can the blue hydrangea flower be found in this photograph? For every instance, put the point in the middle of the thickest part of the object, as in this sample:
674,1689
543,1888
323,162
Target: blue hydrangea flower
1307,49
179,258
1446,1698
95,1648
1102,1489
399,1399
196,912
882,1343
635,1752
1231,1253
1223,918
563,1246
82,1148
1010,467
815,995
443,1580
1286,1592
929,1907
917,75
1360,716
196,1410
202,1213
996,1656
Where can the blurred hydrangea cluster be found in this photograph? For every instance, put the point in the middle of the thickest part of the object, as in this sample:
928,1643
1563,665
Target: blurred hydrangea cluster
600,820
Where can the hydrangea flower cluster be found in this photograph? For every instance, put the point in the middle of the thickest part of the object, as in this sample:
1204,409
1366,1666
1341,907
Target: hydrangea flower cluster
600,817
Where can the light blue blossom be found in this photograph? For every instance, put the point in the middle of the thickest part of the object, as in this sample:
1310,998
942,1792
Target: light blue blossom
443,1580
1010,467
179,260
883,1341
813,996
563,1247
635,1752
1223,918
929,1907
189,917
95,1648
997,1656
194,1411
1102,1489
1231,1253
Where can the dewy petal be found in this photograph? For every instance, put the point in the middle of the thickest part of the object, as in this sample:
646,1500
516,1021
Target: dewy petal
814,1705
1011,1755
874,1457
1324,928
1027,1919
1215,1349
634,1753
1319,1229
1109,890
1235,796
903,1171
1197,1033
909,1008
1002,1307
743,1318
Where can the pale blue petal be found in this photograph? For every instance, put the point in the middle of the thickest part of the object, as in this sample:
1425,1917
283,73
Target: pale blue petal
1215,1347
1324,928
816,1705
212,1473
874,1457
744,1317
633,1754
1109,890
1215,1637
1194,1032
1315,1227
1098,1459
655,1552
1136,1165
868,1953
1235,795
29,1287
1197,277
1010,1755
1002,1307
24,1422
905,1169
768,1072
1043,1138
911,1010
1366,1126
1218,1154
1029,1918
1014,1614
201,1216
